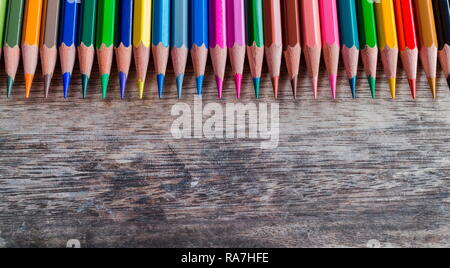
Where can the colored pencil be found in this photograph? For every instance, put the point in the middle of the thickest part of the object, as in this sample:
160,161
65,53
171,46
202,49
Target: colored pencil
49,41
407,40
292,40
330,40
348,26
86,41
442,15
198,36
312,39
3,9
67,40
368,41
236,40
428,44
179,40
142,25
30,41
218,41
123,48
13,34
273,40
387,37
161,40
106,19
255,41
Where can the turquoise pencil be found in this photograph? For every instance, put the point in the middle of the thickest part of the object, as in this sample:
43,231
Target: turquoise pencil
348,27
161,40
179,40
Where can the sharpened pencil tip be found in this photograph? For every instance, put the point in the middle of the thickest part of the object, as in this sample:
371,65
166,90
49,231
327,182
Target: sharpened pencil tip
47,83
199,82
141,85
432,83
28,84
219,83
393,87
179,81
294,83
105,82
238,84
275,84
257,86
10,84
448,81
373,86
333,81
84,85
160,80
123,84
315,83
412,87
66,84
352,82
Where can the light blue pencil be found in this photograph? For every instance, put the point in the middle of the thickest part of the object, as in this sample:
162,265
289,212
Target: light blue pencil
161,40
180,40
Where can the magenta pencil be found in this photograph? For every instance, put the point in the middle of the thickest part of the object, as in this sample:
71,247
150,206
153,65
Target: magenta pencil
236,40
218,40
330,40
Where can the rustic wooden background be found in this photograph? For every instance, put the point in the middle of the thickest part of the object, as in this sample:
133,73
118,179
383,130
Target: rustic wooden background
347,173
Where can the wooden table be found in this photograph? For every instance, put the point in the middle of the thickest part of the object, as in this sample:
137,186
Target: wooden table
346,173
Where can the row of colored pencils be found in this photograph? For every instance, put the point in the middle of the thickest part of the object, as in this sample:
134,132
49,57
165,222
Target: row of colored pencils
257,29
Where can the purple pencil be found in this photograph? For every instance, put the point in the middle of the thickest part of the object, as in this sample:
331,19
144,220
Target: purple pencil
217,40
236,40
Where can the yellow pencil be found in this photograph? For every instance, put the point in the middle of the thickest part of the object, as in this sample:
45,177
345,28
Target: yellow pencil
387,38
428,43
142,40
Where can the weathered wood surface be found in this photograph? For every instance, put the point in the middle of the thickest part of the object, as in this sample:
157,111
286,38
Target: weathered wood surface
347,173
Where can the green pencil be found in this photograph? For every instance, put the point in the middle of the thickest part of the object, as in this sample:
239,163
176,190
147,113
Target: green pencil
255,40
13,36
368,40
86,41
106,17
3,7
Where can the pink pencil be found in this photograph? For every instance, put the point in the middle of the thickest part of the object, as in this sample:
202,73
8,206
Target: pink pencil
236,40
330,40
218,40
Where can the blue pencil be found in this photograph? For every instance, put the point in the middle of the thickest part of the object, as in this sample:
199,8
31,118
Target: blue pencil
122,47
348,27
67,40
198,42
179,40
161,40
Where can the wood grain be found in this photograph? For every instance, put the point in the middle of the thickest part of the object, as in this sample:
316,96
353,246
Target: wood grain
347,173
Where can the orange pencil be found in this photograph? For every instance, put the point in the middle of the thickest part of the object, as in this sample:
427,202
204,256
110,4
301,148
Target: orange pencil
30,41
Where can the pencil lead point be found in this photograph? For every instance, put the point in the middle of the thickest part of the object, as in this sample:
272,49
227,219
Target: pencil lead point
105,82
219,83
448,81
275,84
84,85
180,80
238,84
432,83
10,83
28,84
294,83
257,86
199,82
333,81
315,83
393,87
123,84
66,84
141,85
352,82
372,86
412,87
160,80
47,83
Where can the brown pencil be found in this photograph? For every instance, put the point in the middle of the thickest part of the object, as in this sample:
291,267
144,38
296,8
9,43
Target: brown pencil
273,40
291,40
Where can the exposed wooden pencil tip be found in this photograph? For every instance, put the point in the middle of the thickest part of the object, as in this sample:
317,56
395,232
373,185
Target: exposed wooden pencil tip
28,84
141,85
47,83
294,83
432,83
393,87
275,84
315,82
412,86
